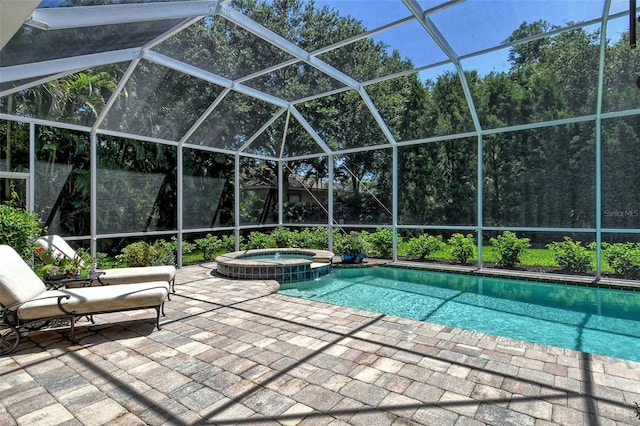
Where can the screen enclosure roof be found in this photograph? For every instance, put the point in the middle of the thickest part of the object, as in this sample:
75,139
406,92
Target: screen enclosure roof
234,77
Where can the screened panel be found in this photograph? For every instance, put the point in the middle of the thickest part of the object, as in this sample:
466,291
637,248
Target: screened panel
295,81
15,191
118,246
621,70
306,193
446,108
31,44
299,141
400,102
561,80
65,3
620,173
541,177
14,146
233,122
269,142
396,40
471,25
343,121
75,99
62,181
223,48
136,186
386,11
10,86
207,191
258,192
362,189
330,30
437,183
381,54
160,102
380,77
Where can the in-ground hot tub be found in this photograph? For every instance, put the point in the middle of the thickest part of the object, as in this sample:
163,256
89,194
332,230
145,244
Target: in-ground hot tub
285,265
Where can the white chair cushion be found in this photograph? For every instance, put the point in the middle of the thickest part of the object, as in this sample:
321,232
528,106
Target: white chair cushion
18,282
89,300
138,274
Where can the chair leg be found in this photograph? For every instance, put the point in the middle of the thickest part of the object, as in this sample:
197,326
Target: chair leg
73,331
158,315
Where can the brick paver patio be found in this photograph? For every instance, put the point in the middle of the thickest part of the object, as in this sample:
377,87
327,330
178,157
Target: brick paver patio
233,352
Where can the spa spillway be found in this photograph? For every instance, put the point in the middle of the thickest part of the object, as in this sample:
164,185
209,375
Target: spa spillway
284,265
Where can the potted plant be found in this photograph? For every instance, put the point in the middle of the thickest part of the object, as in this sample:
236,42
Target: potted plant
353,247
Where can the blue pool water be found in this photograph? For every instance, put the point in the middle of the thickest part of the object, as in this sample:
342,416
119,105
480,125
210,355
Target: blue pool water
594,320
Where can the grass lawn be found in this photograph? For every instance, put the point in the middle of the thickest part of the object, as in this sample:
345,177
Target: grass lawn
538,257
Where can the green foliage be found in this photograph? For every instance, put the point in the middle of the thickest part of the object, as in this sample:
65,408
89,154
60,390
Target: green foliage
161,252
282,237
209,245
167,251
381,242
571,255
19,229
312,238
624,258
139,253
228,243
212,246
423,246
353,243
104,261
257,240
462,247
509,248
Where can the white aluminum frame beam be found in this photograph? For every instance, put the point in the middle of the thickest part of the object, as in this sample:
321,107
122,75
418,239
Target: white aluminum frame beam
90,16
67,65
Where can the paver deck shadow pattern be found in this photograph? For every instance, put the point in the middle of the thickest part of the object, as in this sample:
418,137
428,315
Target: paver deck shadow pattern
237,353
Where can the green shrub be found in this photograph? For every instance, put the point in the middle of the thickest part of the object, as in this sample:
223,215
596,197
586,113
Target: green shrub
228,243
381,242
571,255
312,238
104,261
139,253
281,237
509,248
462,247
624,258
423,246
352,243
209,245
19,229
166,252
257,240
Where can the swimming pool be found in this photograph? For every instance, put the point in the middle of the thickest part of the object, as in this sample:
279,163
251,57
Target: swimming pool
589,319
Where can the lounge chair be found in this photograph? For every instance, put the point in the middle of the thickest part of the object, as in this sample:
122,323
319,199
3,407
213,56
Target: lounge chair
26,304
54,245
